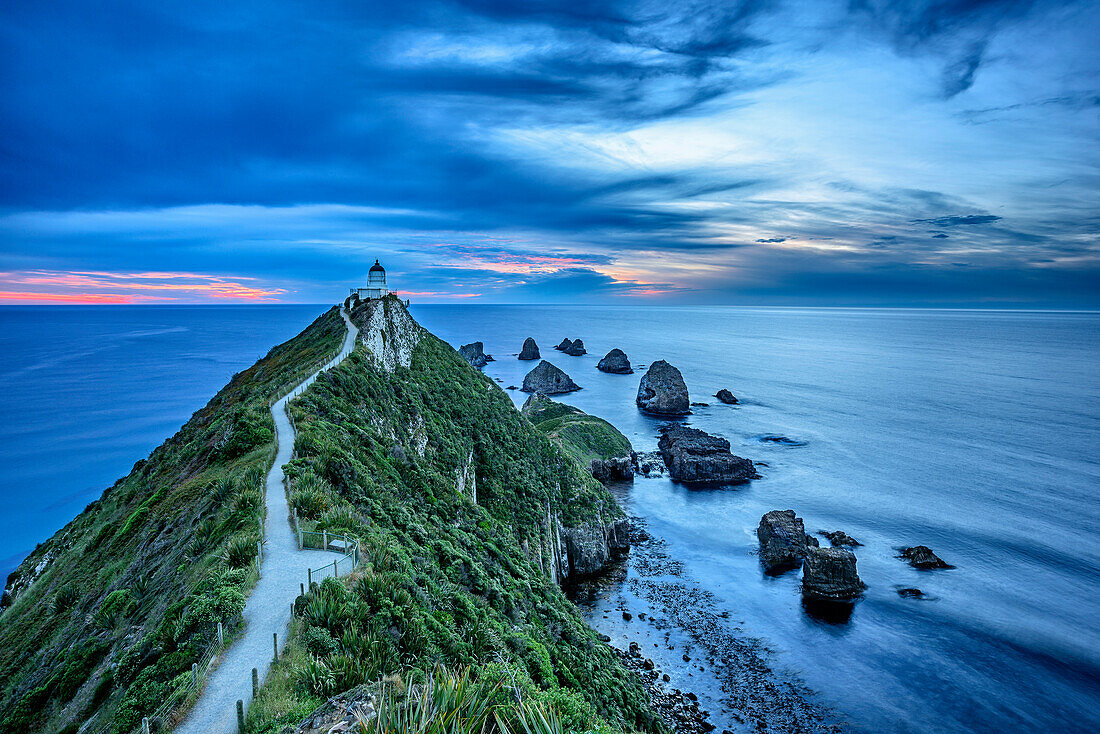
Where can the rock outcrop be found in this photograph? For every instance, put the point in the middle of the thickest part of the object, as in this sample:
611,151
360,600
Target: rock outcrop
726,397
829,574
587,550
387,330
922,557
696,456
475,354
783,540
663,391
530,349
575,348
549,380
565,344
607,470
838,538
616,363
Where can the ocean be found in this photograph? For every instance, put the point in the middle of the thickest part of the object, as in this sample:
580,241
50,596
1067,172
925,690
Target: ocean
976,433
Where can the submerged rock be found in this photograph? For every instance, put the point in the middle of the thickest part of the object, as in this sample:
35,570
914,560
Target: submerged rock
575,349
783,540
696,456
549,380
829,574
910,593
921,556
615,362
565,344
475,354
839,538
663,391
726,397
530,349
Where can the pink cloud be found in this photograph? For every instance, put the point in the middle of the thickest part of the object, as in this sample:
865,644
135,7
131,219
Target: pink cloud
75,286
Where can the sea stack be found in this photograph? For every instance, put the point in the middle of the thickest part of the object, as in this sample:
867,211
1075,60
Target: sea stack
549,380
663,391
783,540
616,363
829,574
565,344
575,348
726,397
475,354
694,456
530,349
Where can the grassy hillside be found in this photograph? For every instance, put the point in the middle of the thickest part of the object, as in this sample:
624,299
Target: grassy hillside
458,500
120,602
584,437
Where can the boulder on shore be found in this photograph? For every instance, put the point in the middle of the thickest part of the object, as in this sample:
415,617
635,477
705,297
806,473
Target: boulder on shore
839,537
575,348
921,556
565,344
615,362
549,380
530,349
475,354
829,574
696,456
663,391
783,540
726,397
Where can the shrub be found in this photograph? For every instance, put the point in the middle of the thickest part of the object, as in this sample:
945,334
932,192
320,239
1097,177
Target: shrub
65,598
319,642
310,501
239,551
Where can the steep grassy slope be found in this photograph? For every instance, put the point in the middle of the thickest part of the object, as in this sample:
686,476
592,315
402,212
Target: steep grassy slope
459,502
584,437
120,602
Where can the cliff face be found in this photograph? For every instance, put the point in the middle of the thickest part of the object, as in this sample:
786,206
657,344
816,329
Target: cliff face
466,515
102,616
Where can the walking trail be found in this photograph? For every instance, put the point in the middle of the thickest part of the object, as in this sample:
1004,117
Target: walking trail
267,611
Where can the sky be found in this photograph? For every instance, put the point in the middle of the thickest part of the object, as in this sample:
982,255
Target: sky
809,153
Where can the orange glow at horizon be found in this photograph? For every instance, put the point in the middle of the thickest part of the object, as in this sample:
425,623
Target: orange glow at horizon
90,287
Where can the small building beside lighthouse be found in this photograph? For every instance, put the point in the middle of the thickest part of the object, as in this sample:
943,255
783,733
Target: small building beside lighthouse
376,284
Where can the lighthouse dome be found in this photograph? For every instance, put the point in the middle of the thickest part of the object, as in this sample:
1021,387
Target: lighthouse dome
377,267
376,278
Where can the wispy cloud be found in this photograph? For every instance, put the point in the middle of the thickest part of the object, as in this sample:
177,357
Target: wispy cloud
123,287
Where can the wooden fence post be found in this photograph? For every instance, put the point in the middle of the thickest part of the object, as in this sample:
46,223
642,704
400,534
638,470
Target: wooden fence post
221,635
195,675
255,682
275,641
145,725
260,551
309,577
240,716
303,588
335,569
324,540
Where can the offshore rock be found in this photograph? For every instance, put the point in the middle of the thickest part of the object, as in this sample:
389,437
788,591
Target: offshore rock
530,349
829,574
726,397
616,363
782,537
839,537
663,391
575,349
549,380
696,456
565,344
475,354
612,469
922,557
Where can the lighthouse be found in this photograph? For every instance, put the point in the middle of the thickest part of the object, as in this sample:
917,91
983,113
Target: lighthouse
376,283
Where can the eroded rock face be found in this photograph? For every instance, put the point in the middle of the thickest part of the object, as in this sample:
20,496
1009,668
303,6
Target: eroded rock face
782,537
388,331
692,455
549,380
616,363
588,549
726,397
530,349
607,470
475,354
829,574
921,556
575,349
663,391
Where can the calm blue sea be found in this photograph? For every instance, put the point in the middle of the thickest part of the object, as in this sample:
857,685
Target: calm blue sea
976,433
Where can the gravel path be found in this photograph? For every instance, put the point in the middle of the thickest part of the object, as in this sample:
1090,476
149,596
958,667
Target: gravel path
283,569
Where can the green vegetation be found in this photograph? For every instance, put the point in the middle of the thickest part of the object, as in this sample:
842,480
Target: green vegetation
444,580
584,437
131,590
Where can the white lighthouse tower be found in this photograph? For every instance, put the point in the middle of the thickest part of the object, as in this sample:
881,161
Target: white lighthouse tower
376,283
